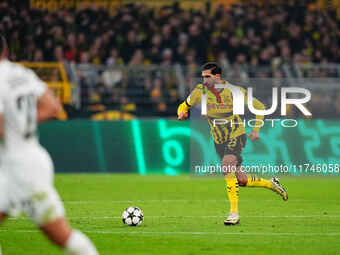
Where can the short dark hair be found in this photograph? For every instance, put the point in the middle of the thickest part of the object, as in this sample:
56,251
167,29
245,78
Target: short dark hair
214,67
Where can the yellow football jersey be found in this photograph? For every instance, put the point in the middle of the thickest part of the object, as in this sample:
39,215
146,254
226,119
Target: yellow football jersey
220,107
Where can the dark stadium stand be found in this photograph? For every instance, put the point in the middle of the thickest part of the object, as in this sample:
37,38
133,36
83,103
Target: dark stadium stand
144,60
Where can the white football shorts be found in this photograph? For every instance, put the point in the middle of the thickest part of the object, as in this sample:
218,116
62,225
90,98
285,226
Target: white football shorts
26,186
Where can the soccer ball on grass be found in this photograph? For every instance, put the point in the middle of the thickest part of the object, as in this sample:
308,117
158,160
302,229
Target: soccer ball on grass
133,216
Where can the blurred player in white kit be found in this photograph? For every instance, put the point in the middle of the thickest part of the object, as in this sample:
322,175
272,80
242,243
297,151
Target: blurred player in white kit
26,169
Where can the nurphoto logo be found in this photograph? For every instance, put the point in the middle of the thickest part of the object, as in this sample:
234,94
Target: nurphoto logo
238,105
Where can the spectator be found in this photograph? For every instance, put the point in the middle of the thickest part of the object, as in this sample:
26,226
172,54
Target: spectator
137,58
38,56
129,47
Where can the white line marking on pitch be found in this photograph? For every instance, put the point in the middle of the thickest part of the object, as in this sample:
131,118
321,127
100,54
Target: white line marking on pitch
198,216
194,233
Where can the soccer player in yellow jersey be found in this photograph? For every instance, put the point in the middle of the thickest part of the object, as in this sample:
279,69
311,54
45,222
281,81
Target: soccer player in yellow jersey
229,137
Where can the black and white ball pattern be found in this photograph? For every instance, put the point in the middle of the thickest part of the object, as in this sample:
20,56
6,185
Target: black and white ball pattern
132,216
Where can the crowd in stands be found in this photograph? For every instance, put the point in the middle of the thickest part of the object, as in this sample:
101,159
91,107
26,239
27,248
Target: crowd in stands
130,58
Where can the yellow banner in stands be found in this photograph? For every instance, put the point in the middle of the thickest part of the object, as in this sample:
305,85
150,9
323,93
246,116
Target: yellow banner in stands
54,5
111,5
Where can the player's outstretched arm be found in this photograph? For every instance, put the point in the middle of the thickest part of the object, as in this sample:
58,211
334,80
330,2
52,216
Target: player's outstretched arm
192,99
48,106
182,111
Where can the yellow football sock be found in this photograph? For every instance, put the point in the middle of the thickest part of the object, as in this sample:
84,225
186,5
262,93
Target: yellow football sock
254,181
232,191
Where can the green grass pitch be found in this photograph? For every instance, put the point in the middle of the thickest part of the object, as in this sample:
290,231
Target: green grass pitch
184,215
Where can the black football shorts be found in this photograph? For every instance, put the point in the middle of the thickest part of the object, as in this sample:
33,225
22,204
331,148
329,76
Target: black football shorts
233,146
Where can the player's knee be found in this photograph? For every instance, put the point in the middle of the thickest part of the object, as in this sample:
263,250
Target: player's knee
229,162
242,178
242,181
74,242
57,231
79,244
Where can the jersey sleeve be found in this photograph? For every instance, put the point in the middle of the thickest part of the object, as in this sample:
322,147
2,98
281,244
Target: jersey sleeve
195,96
38,85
